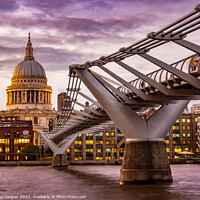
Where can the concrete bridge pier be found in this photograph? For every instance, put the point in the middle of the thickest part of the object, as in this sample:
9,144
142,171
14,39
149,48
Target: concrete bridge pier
59,160
145,162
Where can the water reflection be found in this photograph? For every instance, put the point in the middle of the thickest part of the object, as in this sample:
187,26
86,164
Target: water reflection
97,182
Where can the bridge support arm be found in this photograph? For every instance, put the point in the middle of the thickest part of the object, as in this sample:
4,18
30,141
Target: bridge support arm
145,157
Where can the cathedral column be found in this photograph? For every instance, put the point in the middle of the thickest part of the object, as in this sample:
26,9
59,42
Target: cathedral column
34,96
45,97
30,97
50,97
17,96
13,97
7,97
38,97
42,96
26,96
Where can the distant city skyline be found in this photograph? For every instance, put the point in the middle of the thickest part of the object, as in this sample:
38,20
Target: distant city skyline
64,32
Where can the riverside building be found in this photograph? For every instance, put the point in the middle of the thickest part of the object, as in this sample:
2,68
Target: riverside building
29,96
15,134
183,136
109,144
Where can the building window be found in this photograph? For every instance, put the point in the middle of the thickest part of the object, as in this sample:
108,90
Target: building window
188,142
6,134
188,120
184,135
107,142
183,128
77,142
176,135
7,149
98,150
183,120
183,141
112,141
89,141
188,135
35,120
112,134
188,128
107,134
99,142
17,133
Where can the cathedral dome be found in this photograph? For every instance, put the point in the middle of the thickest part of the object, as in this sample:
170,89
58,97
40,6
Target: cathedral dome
29,89
29,69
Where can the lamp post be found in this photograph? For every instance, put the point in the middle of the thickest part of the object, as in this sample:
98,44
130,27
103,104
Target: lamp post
68,151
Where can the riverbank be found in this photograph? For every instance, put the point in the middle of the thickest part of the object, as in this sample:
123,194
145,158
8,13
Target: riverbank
93,162
25,163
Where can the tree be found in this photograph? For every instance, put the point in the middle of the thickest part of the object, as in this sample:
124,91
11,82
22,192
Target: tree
31,149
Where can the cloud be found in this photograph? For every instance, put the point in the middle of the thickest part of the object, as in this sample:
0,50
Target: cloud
9,5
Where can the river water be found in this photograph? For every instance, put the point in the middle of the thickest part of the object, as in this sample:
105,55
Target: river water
93,183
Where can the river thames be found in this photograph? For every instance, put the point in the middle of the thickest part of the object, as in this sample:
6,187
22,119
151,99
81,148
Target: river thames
94,183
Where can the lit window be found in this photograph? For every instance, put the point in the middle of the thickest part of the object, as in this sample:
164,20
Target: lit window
8,133
112,134
188,142
183,128
188,128
99,142
183,141
183,120
188,135
167,149
184,135
176,135
77,150
167,141
107,134
114,150
177,121
188,120
7,149
89,150
98,150
107,142
177,150
112,141
195,119
77,142
101,134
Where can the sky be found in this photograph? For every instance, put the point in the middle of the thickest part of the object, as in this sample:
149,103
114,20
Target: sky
65,32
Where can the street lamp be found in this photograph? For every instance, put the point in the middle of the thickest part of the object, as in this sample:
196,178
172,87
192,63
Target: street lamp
68,151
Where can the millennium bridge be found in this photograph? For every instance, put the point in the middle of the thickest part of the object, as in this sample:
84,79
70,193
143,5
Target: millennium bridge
119,102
